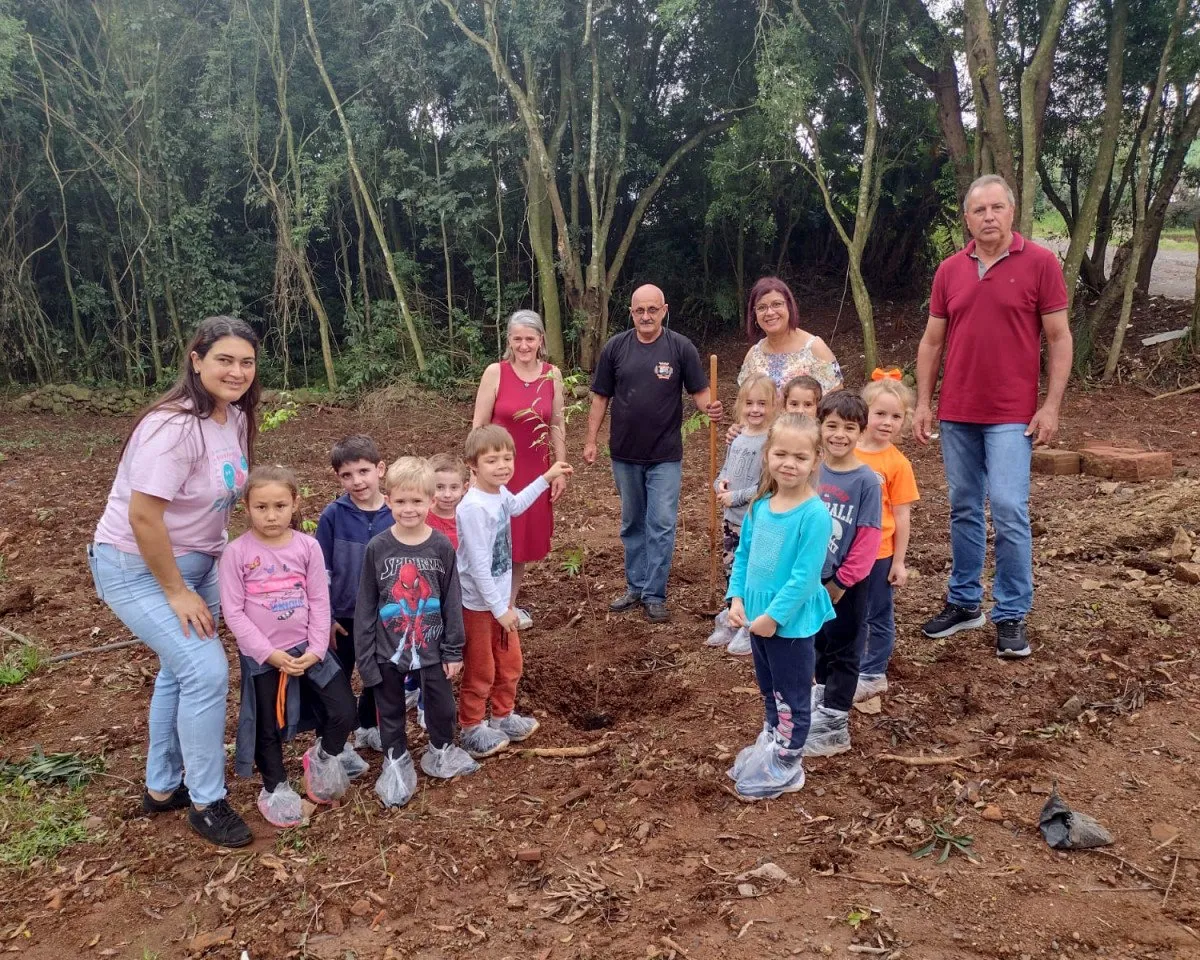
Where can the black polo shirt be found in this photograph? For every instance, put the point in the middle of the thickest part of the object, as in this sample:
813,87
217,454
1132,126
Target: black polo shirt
646,383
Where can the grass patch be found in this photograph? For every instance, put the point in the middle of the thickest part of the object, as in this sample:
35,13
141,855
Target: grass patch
19,660
42,811
38,825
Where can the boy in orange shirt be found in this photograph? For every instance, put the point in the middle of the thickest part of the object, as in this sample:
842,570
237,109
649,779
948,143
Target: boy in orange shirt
889,402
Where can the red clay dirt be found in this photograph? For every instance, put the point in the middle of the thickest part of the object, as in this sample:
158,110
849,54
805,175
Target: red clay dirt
637,850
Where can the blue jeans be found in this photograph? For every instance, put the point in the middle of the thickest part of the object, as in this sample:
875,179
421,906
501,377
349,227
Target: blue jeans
783,667
649,509
880,622
992,461
187,709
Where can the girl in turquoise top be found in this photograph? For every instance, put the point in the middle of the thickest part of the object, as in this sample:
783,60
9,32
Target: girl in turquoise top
775,590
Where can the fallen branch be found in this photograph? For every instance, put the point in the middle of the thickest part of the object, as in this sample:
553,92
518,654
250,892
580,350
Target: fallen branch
923,761
671,944
1125,863
877,881
877,951
103,648
588,750
1175,393
1171,882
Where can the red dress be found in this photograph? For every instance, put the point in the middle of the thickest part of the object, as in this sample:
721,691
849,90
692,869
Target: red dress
524,410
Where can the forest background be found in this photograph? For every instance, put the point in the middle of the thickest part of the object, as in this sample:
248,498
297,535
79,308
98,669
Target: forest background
377,184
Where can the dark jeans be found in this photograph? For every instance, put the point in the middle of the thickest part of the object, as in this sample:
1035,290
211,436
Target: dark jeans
784,668
879,624
437,695
840,648
343,651
336,701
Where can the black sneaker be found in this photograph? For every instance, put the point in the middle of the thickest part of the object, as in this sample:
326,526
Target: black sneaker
178,799
219,823
1011,642
952,619
626,601
656,611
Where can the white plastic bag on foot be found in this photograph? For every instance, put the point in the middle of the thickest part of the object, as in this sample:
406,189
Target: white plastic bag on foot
398,781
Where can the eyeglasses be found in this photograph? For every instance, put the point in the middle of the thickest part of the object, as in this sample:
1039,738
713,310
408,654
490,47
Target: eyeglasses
647,311
780,306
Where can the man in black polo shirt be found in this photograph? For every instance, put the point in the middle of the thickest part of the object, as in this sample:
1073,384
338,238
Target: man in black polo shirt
643,373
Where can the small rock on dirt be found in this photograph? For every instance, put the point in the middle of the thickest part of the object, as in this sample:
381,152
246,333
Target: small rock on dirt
210,938
747,889
1072,708
1109,487
1163,833
1187,572
334,922
869,706
1164,607
361,907
18,599
1181,546
642,788
993,813
600,826
529,854
1092,584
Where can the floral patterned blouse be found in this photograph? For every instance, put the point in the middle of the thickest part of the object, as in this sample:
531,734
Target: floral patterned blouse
782,367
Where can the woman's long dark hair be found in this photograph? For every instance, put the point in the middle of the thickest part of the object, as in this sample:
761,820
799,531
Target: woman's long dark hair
188,395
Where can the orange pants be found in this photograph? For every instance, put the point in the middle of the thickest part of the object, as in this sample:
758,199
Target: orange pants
491,668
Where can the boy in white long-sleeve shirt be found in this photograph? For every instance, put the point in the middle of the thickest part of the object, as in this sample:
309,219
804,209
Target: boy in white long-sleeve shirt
492,654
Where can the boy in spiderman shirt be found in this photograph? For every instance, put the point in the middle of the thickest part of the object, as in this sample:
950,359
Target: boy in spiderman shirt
409,618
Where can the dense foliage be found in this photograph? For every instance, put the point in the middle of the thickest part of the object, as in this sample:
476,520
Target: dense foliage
377,184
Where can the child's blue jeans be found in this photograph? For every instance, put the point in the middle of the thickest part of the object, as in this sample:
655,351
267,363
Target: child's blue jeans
880,621
187,709
784,668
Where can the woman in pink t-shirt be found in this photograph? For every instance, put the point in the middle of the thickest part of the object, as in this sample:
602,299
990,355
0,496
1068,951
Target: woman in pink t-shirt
154,562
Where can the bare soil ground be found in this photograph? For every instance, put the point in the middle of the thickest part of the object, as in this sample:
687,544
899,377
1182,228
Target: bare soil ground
640,846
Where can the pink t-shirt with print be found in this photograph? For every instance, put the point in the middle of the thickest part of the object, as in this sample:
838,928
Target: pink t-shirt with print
198,466
275,597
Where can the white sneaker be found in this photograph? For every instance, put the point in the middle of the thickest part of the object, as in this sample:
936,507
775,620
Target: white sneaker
515,726
828,734
524,620
870,685
368,737
739,646
482,740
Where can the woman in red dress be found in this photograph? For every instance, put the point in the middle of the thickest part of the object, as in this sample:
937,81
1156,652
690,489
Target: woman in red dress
524,394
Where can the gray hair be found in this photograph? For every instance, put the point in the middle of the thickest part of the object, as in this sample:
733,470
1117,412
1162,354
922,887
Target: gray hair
988,180
530,319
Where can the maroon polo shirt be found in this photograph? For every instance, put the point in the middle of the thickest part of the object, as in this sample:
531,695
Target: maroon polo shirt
994,330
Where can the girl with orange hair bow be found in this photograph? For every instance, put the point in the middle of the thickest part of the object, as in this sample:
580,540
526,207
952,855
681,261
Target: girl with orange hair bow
889,403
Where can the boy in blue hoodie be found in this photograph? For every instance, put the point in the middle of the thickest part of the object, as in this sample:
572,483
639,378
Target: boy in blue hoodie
346,527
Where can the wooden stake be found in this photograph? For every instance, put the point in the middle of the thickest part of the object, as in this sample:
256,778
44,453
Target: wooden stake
713,527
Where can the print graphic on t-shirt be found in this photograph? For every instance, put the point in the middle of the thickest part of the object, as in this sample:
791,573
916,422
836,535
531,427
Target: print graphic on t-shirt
413,614
766,547
502,551
229,469
841,510
663,370
282,591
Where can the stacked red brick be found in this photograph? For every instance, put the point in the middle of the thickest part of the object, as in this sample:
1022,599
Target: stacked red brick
1104,460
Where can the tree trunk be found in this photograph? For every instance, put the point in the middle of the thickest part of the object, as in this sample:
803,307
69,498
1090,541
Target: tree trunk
1194,333
541,241
1106,151
367,199
985,75
1140,187
1035,93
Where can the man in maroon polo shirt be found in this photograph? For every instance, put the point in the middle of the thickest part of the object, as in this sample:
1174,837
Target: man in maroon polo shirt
990,306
